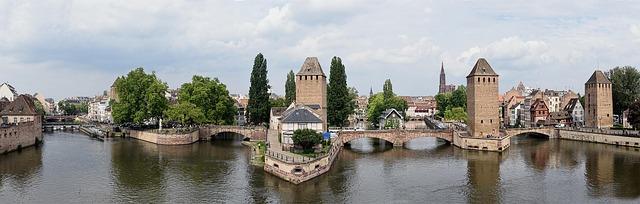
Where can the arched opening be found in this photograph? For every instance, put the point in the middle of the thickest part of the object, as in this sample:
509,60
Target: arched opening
368,145
529,138
425,143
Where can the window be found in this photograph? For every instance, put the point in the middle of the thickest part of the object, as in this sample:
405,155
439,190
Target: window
483,79
494,80
302,126
478,79
481,121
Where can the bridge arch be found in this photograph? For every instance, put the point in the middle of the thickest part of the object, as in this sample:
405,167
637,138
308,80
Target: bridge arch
397,137
536,132
248,133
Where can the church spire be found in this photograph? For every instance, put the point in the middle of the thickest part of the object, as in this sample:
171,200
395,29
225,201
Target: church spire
443,80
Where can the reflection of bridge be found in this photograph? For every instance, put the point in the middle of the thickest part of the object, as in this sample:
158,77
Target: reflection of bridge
253,132
397,137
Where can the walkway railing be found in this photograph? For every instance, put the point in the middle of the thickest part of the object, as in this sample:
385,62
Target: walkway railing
626,133
299,159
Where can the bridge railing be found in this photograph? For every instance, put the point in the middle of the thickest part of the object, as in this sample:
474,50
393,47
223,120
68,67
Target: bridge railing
299,159
626,133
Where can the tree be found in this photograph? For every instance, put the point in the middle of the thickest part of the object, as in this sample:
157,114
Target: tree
634,114
211,97
257,109
186,113
457,114
73,108
387,89
290,88
443,100
278,102
339,101
141,97
449,101
306,138
625,87
459,97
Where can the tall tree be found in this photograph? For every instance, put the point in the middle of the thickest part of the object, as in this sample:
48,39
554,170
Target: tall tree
141,97
211,97
625,87
387,89
459,98
339,100
634,114
290,88
258,108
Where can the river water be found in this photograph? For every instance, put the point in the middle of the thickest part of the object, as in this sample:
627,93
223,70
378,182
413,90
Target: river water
72,168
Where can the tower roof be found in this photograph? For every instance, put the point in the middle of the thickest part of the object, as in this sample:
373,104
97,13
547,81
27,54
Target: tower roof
311,67
482,68
442,68
598,78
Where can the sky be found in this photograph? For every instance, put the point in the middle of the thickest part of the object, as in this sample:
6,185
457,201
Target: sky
63,48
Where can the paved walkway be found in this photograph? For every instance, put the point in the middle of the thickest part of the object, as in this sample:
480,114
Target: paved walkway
275,149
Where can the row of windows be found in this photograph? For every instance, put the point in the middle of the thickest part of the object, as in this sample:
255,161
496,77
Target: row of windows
309,77
487,79
490,121
599,85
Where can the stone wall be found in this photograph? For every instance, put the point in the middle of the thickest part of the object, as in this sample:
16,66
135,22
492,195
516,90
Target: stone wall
253,133
397,137
485,144
20,135
599,138
297,172
166,139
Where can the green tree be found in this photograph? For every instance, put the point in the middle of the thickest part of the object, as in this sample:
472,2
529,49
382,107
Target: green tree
339,101
211,97
625,87
446,102
73,108
278,102
141,97
443,101
375,108
459,97
290,88
186,113
257,109
387,89
457,114
634,114
306,138
39,107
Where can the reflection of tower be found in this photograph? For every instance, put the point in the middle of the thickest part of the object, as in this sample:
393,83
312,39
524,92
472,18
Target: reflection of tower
599,171
483,174
598,101
311,87
482,100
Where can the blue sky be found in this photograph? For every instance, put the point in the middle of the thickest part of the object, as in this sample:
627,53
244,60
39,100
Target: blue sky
67,48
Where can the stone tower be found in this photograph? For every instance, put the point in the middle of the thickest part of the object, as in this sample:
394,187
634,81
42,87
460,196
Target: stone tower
311,88
482,100
443,80
598,101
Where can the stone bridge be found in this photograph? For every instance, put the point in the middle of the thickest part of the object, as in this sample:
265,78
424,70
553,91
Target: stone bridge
251,132
546,131
397,137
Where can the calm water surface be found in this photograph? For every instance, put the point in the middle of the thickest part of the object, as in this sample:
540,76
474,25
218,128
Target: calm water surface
71,168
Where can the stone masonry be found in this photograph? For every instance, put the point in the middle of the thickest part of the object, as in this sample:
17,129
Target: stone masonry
598,100
397,137
482,100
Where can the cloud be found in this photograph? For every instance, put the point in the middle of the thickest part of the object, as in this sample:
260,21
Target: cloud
635,30
512,50
410,52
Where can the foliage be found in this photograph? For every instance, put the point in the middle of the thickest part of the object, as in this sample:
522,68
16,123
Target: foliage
39,107
211,98
634,114
306,138
186,113
449,101
625,87
457,114
339,100
392,123
141,97
257,109
279,102
290,88
380,102
73,108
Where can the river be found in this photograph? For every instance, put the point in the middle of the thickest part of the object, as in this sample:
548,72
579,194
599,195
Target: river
72,168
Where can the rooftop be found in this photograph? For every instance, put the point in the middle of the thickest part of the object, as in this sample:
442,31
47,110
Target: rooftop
598,78
482,68
310,67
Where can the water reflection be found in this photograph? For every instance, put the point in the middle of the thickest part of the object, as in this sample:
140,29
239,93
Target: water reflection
20,170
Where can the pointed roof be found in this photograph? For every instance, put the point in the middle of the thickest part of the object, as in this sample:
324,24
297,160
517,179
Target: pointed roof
22,105
442,68
311,67
482,68
300,114
598,78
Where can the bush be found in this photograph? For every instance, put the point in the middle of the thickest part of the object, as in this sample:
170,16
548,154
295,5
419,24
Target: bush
306,138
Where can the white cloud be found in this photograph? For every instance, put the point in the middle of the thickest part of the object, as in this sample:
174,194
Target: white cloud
635,30
278,19
510,49
410,52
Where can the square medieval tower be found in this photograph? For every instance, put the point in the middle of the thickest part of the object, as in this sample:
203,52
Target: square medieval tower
311,88
482,100
598,101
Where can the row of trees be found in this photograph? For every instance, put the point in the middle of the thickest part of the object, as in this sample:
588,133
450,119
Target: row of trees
380,102
453,106
625,89
142,100
69,108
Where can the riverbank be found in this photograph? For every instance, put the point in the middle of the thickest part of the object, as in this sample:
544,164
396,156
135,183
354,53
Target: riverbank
258,151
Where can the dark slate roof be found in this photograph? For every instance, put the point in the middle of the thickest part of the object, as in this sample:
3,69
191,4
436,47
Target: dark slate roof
277,111
560,115
571,105
482,68
314,106
388,112
598,78
21,105
301,115
311,67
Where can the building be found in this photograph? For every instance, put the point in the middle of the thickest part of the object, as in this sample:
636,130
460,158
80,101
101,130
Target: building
625,119
359,118
99,110
20,124
482,100
443,87
295,118
575,109
539,112
311,88
420,106
47,105
598,101
391,119
561,117
7,91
